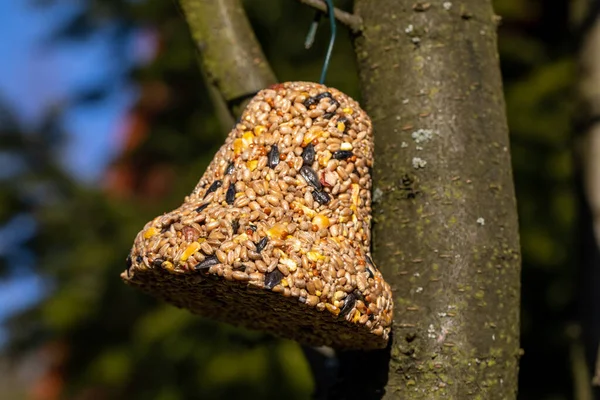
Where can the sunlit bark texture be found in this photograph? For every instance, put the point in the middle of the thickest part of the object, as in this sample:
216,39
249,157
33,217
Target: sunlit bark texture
446,230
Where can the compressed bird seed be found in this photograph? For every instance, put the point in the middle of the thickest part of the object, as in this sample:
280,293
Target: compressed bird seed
276,234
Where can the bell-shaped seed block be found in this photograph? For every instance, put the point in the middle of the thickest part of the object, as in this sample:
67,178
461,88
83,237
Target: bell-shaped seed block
276,234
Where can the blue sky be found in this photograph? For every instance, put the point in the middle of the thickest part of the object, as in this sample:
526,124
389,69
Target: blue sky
34,77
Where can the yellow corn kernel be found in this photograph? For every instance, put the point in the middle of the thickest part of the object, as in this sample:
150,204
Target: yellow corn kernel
307,211
240,238
356,316
252,164
284,282
168,266
238,146
341,126
344,218
321,221
150,232
311,135
259,129
248,138
314,256
348,110
318,293
277,231
346,146
324,158
332,309
191,249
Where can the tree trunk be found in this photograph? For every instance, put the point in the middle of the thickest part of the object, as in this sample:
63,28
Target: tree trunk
589,183
446,230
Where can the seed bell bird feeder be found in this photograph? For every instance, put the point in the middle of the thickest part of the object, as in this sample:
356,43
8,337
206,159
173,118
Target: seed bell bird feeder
276,234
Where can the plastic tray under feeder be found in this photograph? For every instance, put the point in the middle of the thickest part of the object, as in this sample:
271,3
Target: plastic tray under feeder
276,234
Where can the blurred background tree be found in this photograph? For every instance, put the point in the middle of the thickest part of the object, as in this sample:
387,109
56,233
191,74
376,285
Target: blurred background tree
91,337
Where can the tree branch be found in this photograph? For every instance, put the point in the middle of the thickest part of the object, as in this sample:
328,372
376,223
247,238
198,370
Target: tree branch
230,54
353,22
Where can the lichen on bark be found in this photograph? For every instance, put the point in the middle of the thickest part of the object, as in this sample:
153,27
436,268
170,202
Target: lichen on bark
446,230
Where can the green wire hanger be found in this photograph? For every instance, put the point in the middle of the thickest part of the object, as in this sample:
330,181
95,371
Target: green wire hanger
310,38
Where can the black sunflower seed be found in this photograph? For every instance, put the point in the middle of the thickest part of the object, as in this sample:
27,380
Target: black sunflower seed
342,154
273,278
273,156
235,225
157,262
321,96
201,208
230,195
230,168
372,264
128,261
328,115
252,227
207,263
215,185
308,154
370,261
321,197
315,99
261,244
311,177
139,259
348,304
371,274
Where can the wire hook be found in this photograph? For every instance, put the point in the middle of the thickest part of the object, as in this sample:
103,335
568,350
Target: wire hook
310,37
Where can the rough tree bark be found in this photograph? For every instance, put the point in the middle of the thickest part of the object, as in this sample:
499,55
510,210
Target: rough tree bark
588,157
446,232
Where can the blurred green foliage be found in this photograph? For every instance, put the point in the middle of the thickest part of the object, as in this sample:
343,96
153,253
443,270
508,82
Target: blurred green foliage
122,344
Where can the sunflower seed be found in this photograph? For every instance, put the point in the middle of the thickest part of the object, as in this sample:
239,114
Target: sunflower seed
273,279
311,177
215,185
230,196
207,263
321,197
348,304
308,154
315,99
262,244
273,156
342,154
